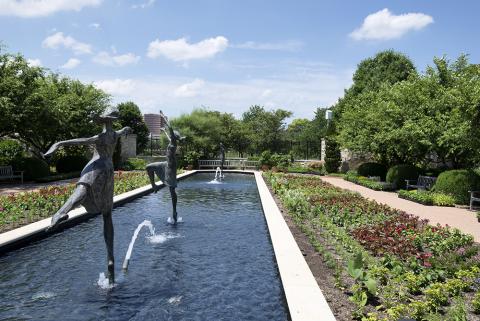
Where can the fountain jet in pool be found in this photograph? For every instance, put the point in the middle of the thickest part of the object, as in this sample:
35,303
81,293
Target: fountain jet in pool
219,174
146,223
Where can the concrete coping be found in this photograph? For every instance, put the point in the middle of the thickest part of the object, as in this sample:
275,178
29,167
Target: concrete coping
304,298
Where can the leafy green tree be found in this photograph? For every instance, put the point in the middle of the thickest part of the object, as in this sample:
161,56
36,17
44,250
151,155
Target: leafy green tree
386,67
205,130
18,81
267,128
427,118
130,115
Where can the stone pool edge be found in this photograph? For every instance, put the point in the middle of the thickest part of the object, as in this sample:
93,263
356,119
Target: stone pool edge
23,235
305,299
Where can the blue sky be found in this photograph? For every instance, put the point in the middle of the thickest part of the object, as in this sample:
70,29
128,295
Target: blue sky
226,54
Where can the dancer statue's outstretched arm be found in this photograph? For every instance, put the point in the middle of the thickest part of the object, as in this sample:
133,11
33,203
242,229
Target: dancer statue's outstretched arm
72,142
124,131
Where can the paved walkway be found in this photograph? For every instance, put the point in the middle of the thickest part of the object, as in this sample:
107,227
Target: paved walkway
463,219
7,189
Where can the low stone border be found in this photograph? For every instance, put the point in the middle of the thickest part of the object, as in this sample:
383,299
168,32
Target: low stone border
304,298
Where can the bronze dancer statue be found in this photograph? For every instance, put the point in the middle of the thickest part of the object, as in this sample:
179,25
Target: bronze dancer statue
94,189
167,171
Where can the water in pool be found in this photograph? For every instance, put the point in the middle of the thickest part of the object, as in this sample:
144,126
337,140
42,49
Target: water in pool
218,264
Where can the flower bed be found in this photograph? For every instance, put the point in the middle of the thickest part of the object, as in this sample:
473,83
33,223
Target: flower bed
23,208
397,265
427,197
369,183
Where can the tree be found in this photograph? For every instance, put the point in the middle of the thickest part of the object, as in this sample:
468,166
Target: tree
18,81
130,115
386,67
205,130
427,118
267,128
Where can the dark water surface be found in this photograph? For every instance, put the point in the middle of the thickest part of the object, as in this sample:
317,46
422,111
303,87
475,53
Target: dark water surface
216,265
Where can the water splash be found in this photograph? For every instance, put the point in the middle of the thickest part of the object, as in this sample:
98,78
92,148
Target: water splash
146,223
218,177
170,220
43,295
175,299
161,238
218,174
104,283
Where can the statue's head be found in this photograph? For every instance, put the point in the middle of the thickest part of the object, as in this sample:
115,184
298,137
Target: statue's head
107,117
177,135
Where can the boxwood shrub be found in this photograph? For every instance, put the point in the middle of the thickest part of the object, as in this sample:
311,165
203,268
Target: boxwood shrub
70,163
372,169
33,167
457,183
397,175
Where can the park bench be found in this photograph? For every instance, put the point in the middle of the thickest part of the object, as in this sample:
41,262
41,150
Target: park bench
6,172
423,182
474,197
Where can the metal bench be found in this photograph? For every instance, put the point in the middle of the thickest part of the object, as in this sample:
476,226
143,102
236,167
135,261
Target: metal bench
474,197
6,172
228,164
423,182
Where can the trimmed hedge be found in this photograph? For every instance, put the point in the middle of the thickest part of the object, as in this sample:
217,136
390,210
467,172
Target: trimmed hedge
134,164
428,197
397,175
70,163
457,183
33,167
372,169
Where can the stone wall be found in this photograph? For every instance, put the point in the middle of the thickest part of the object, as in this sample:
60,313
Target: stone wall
129,147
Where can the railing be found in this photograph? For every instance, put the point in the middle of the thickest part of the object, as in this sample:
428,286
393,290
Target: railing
228,164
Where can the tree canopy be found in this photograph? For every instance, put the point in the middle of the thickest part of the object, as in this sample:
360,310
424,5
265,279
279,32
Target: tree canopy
130,115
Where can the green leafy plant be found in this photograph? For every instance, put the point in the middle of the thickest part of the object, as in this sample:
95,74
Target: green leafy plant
362,277
372,169
397,175
134,164
476,303
457,183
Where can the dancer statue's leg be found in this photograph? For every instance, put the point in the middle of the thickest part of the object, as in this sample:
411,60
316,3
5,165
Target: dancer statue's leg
151,176
173,194
73,201
108,236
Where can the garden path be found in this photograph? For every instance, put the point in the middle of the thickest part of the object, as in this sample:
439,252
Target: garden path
7,189
463,219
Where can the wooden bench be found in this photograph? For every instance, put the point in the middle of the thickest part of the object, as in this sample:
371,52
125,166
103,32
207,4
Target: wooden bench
423,182
474,197
6,172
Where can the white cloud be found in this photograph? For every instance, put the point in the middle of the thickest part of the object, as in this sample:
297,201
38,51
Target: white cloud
58,40
94,25
40,8
104,58
293,45
383,25
144,5
34,62
118,87
181,50
190,89
71,63
298,93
